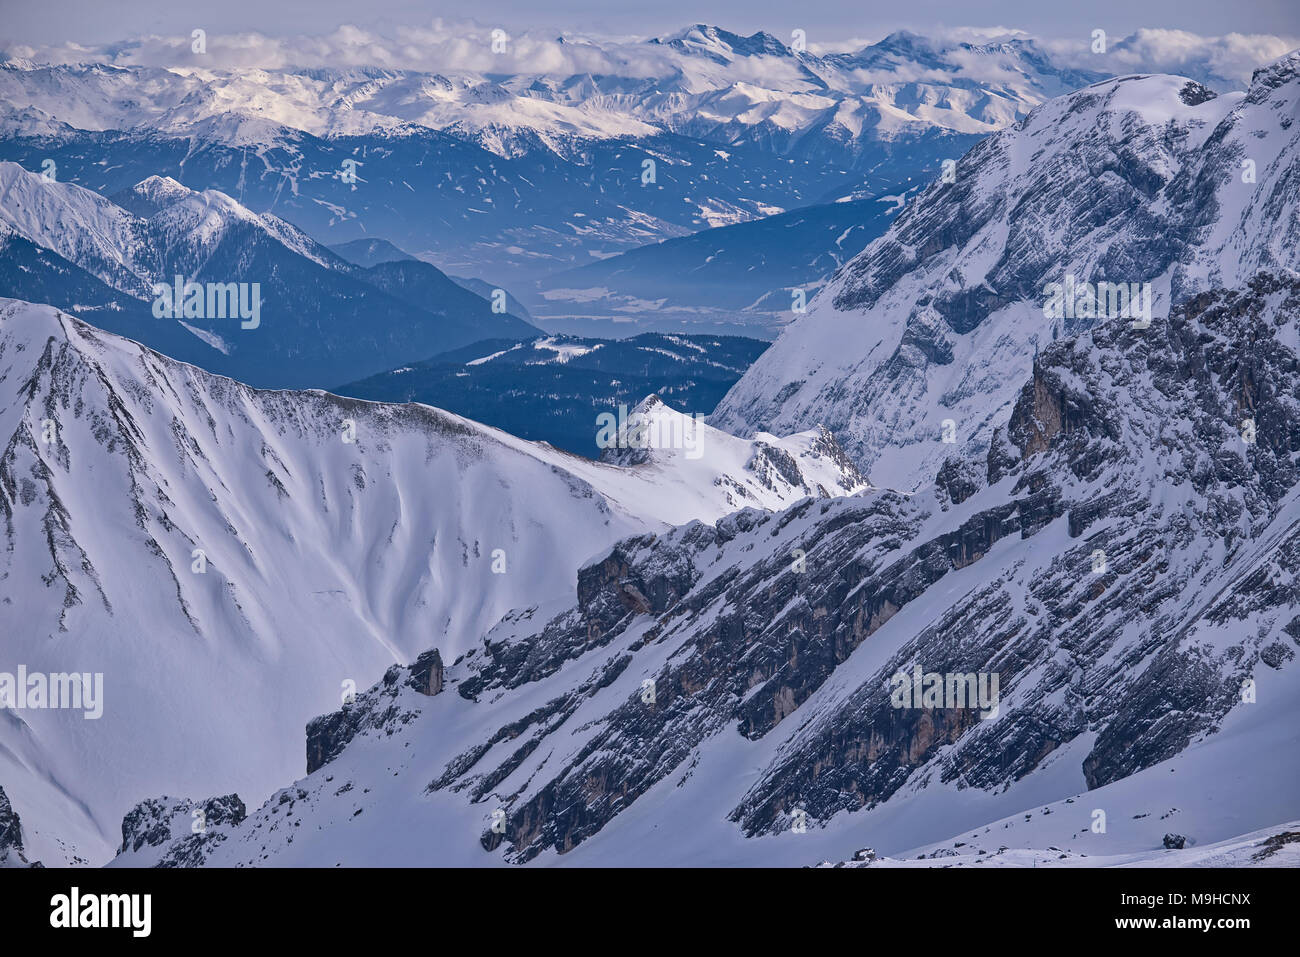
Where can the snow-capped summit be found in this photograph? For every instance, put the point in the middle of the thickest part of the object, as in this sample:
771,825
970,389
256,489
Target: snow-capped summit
199,221
1100,615
723,46
151,195
223,544
1150,182
766,471
80,225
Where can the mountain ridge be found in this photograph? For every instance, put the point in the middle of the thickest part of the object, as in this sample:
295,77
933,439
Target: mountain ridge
1139,180
197,541
333,319
735,677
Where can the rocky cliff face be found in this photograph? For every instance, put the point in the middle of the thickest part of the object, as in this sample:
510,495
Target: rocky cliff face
1138,180
168,528
11,836
1120,567
329,734
167,832
1174,583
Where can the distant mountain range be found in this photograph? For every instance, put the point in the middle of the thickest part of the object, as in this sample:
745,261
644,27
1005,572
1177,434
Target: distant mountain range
553,388
513,177
524,178
320,320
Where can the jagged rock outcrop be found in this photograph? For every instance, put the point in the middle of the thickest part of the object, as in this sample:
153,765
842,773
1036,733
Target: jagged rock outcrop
11,836
177,832
1136,180
378,708
426,673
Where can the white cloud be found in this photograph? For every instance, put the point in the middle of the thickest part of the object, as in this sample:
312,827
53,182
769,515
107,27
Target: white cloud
1223,62
446,46
440,46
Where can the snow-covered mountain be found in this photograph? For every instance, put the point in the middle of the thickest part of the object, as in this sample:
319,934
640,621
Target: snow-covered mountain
839,104
510,173
227,558
703,81
921,341
299,315
81,226
484,650
1124,561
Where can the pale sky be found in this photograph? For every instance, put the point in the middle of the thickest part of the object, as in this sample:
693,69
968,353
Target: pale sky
100,21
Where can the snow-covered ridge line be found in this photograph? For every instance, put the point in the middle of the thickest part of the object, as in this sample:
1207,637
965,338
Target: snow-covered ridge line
916,345
1124,557
201,542
1276,846
703,81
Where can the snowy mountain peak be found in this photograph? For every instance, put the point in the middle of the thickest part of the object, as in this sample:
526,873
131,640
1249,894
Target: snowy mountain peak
290,536
1119,574
1271,76
1139,191
764,471
145,234
723,45
78,224
150,195
204,218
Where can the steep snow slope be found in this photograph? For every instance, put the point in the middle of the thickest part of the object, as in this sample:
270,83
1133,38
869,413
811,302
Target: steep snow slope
337,537
1277,846
1125,559
1137,180
308,318
80,225
112,239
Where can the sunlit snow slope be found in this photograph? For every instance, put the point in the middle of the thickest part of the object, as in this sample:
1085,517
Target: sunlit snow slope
337,537
1138,180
